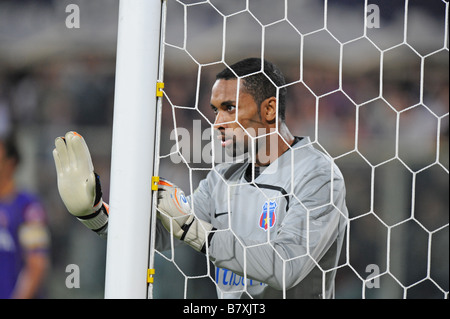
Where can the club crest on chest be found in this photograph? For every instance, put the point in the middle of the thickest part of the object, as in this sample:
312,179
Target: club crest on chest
268,216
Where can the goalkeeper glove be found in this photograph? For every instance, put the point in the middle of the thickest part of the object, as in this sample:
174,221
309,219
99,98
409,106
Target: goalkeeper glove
78,185
173,205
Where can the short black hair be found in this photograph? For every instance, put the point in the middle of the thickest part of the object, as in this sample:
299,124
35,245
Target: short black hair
259,80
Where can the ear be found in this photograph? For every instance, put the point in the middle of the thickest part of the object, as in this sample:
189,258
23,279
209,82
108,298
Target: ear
269,110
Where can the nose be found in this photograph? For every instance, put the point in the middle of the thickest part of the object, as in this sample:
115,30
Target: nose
219,120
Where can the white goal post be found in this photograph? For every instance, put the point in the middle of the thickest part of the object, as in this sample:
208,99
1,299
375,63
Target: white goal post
133,144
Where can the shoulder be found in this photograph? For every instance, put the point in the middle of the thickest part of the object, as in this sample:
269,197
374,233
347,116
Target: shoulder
305,151
309,160
32,208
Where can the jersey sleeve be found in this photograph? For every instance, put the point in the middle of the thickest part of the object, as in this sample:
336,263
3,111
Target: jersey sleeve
201,201
312,224
33,232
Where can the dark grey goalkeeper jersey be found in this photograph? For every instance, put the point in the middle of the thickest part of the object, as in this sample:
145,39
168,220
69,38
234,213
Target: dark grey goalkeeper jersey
279,231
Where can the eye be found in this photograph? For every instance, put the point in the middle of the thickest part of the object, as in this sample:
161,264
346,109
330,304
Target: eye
231,108
215,110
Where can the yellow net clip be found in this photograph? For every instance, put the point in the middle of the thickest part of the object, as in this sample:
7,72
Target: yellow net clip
150,273
155,181
159,88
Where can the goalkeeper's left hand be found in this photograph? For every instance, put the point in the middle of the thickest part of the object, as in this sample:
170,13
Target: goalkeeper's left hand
173,205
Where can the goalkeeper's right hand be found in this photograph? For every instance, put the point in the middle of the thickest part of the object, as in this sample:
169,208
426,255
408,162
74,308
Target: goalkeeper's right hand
78,185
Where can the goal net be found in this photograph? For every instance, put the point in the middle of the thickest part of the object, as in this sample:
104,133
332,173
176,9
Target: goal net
367,82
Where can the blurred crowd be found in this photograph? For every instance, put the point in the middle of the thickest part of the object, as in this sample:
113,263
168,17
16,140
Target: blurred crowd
388,136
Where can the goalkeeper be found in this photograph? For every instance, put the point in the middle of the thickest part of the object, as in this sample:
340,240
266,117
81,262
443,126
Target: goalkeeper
272,224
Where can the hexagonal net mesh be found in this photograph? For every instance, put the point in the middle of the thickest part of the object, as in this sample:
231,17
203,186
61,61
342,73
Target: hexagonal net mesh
367,99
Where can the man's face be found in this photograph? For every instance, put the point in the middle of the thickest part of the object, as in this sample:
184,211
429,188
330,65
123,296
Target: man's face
237,116
8,165
4,163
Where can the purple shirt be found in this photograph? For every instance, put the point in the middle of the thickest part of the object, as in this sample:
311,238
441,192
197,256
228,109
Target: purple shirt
24,208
